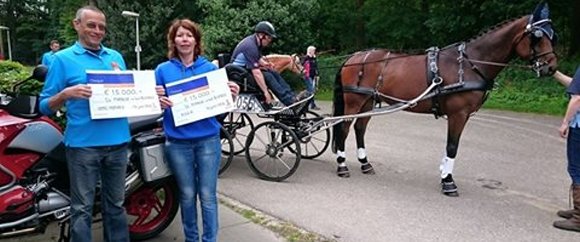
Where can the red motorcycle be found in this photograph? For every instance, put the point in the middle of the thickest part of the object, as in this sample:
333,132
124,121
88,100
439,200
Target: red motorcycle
34,184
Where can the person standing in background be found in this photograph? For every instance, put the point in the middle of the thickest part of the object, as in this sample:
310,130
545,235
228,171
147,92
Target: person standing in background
49,56
311,73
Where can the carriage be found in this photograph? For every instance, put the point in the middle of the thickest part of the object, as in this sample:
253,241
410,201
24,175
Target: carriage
273,149
451,82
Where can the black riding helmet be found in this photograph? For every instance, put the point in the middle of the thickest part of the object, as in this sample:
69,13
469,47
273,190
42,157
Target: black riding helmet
266,28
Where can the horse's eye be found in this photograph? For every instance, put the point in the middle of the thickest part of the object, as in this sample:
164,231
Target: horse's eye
538,33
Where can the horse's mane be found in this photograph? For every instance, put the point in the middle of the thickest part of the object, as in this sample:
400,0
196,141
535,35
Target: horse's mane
485,32
494,28
277,56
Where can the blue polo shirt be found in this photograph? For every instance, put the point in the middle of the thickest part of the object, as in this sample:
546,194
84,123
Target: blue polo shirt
247,53
574,89
69,68
47,58
171,71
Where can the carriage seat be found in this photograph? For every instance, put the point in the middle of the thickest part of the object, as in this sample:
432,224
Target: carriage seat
243,78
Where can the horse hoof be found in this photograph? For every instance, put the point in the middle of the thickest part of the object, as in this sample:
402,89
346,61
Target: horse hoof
343,172
448,186
451,194
367,169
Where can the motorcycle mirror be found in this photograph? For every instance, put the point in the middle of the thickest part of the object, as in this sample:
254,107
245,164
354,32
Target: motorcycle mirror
39,73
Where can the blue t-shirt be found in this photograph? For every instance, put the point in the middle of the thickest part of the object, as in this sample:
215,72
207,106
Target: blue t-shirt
247,53
47,58
574,89
69,69
171,71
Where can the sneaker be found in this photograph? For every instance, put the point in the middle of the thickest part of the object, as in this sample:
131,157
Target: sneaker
302,95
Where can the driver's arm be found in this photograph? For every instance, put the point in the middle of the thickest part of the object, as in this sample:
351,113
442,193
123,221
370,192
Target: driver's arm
266,64
262,84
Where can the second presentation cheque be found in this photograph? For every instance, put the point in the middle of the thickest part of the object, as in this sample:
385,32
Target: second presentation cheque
200,97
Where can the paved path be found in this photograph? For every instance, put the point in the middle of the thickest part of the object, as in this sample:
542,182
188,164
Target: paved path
511,172
233,227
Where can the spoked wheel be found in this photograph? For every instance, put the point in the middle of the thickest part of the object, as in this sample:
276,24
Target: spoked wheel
151,209
269,152
239,125
227,150
314,146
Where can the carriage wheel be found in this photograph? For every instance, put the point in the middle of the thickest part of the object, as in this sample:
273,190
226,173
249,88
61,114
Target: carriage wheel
227,150
239,125
269,152
314,146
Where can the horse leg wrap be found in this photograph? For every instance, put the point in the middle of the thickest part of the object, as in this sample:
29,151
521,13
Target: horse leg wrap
366,167
446,166
448,186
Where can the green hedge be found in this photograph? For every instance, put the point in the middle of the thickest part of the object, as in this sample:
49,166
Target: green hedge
13,72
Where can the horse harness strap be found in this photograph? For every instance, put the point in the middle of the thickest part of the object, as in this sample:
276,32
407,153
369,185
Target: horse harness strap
377,99
432,77
460,86
361,72
368,90
360,90
474,68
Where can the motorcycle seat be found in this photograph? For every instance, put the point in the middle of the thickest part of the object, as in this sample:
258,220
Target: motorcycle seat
144,123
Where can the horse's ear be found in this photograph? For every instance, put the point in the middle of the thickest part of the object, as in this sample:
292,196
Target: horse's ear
541,12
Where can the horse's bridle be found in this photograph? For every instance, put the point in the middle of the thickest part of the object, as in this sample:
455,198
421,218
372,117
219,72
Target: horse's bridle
294,64
536,31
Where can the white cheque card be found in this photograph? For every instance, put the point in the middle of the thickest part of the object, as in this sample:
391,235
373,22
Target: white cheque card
119,94
200,97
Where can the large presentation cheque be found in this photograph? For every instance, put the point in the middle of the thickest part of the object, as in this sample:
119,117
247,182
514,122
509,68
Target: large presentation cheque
118,94
200,97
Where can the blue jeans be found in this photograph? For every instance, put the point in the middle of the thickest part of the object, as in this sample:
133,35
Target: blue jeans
279,87
86,166
573,152
195,165
309,82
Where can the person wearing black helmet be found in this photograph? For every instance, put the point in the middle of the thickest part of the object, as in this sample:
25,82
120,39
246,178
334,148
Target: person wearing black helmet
248,54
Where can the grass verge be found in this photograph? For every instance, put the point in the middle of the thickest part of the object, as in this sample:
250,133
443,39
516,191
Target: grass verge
284,229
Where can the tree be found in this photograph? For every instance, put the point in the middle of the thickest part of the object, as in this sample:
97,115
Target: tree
23,18
227,22
154,19
574,26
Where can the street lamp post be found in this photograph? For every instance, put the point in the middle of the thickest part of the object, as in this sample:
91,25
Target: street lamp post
137,46
8,35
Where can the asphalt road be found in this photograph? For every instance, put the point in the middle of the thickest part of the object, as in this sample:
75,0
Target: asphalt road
510,169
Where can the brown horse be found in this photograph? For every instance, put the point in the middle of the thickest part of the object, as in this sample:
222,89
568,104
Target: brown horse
451,82
285,62
281,63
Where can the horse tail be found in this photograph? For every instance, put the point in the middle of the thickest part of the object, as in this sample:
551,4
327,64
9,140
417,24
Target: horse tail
338,108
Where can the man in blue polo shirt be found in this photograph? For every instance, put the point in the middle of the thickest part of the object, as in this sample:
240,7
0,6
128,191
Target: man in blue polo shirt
248,54
93,147
48,56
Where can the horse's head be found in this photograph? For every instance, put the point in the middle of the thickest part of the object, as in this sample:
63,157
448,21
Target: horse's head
536,42
296,64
